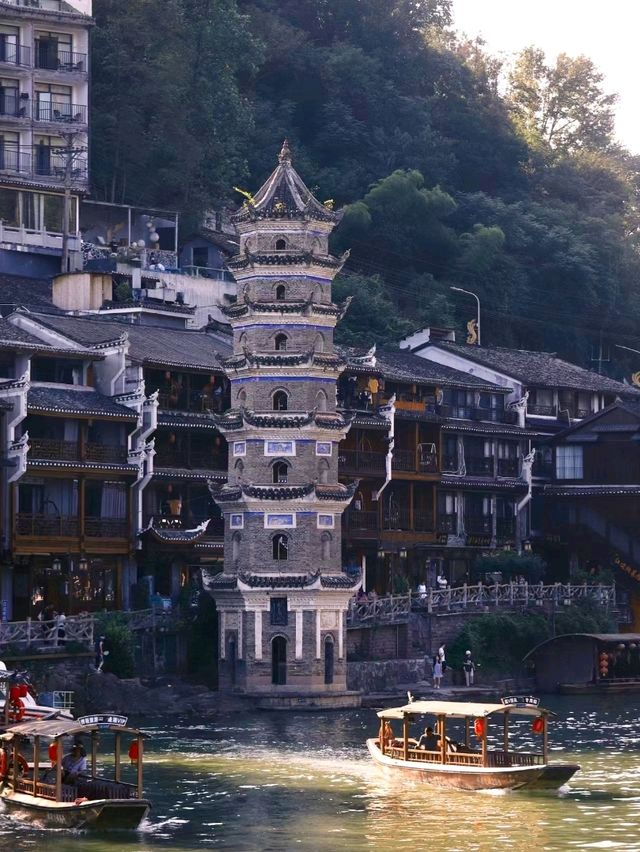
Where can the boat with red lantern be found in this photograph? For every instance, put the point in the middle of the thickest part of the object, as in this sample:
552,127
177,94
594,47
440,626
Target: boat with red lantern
44,783
468,745
19,700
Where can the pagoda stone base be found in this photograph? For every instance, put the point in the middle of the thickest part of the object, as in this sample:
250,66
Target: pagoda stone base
281,700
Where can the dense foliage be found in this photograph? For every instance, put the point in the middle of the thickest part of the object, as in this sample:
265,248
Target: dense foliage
119,642
500,641
454,169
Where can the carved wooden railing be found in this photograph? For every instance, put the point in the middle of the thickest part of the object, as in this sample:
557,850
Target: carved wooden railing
395,609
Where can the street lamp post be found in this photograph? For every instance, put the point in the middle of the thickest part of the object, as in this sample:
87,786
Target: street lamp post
469,293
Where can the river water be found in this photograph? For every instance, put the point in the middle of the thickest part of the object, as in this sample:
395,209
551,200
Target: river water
304,782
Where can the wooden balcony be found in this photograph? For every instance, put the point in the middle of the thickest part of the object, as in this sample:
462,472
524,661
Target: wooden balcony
361,461
49,526
192,459
71,451
509,467
479,465
415,461
448,524
478,524
44,533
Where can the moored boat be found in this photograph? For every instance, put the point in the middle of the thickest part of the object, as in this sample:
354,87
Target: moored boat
53,791
19,700
479,758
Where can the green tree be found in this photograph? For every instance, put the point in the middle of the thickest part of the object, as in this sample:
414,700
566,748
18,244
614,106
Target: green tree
561,107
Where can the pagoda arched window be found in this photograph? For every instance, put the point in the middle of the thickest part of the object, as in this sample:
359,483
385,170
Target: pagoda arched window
321,401
280,400
318,343
325,545
280,472
281,245
242,397
280,342
323,471
281,292
280,547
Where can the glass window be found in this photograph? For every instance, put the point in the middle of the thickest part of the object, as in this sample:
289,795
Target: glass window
9,207
278,611
569,463
53,208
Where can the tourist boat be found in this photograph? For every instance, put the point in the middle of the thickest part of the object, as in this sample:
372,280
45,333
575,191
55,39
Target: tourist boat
34,786
23,703
481,759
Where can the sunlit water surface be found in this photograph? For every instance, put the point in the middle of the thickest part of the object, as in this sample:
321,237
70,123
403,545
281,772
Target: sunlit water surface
304,782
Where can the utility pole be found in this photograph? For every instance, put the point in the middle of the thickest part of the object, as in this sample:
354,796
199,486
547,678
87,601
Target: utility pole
71,152
477,298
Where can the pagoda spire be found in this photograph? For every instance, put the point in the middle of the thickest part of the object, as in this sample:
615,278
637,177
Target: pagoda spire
285,153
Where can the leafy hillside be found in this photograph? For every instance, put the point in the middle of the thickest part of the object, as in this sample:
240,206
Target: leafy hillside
455,171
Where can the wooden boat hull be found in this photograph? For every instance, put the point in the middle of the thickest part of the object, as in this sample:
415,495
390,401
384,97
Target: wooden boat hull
112,814
554,776
456,777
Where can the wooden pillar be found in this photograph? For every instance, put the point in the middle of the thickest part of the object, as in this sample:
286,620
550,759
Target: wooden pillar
94,750
36,762
484,740
405,737
59,755
140,755
442,731
466,732
118,750
545,737
15,762
505,731
411,508
381,736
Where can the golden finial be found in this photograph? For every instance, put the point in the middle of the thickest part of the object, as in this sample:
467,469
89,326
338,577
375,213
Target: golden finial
285,153
329,203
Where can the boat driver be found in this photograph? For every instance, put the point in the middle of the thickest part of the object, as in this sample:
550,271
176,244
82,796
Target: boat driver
429,741
73,764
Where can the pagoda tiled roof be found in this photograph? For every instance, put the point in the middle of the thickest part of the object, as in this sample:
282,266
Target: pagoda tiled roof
537,369
284,196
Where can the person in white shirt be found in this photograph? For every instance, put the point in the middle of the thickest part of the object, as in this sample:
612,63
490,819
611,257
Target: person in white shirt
73,764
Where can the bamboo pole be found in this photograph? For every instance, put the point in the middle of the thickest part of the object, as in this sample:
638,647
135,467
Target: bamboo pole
94,752
140,752
117,755
405,737
36,763
505,732
59,752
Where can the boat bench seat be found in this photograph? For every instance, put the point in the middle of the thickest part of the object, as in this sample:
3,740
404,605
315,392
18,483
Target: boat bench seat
96,789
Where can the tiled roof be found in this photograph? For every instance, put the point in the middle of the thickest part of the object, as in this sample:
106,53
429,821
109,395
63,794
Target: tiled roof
403,366
76,401
11,335
177,347
185,420
591,490
486,428
87,332
537,369
32,293
502,484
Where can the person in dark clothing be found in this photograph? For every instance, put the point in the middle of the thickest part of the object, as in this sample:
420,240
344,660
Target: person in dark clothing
429,741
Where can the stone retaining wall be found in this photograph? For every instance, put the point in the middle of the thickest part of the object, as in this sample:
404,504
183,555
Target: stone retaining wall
382,675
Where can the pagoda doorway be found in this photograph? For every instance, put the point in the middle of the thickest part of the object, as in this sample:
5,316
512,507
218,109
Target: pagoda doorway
279,661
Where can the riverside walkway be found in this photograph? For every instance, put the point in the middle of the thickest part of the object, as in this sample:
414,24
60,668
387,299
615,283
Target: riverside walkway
394,609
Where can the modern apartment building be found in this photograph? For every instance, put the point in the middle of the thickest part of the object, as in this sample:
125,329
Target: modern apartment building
44,130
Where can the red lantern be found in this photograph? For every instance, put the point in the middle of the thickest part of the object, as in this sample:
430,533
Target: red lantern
14,693
537,726
53,753
24,690
134,752
479,727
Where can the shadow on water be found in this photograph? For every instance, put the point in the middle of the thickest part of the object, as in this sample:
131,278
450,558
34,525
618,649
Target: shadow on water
304,781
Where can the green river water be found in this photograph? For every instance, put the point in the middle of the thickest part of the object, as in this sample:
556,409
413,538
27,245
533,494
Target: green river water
304,782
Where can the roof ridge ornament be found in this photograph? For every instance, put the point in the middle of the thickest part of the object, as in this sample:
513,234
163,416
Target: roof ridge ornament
285,153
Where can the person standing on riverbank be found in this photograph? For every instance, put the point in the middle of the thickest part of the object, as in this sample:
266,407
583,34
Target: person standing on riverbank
469,668
437,673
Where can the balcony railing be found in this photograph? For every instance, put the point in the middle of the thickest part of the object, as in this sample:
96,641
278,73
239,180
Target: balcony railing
197,459
39,162
479,465
509,467
15,54
57,450
59,60
450,463
50,448
542,410
415,461
13,106
448,524
478,524
60,111
57,526
362,520
423,521
106,527
362,461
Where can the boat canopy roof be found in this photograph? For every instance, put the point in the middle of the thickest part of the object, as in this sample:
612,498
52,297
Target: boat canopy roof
52,728
461,709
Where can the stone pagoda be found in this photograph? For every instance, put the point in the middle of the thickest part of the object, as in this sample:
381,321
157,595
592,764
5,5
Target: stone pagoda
282,596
